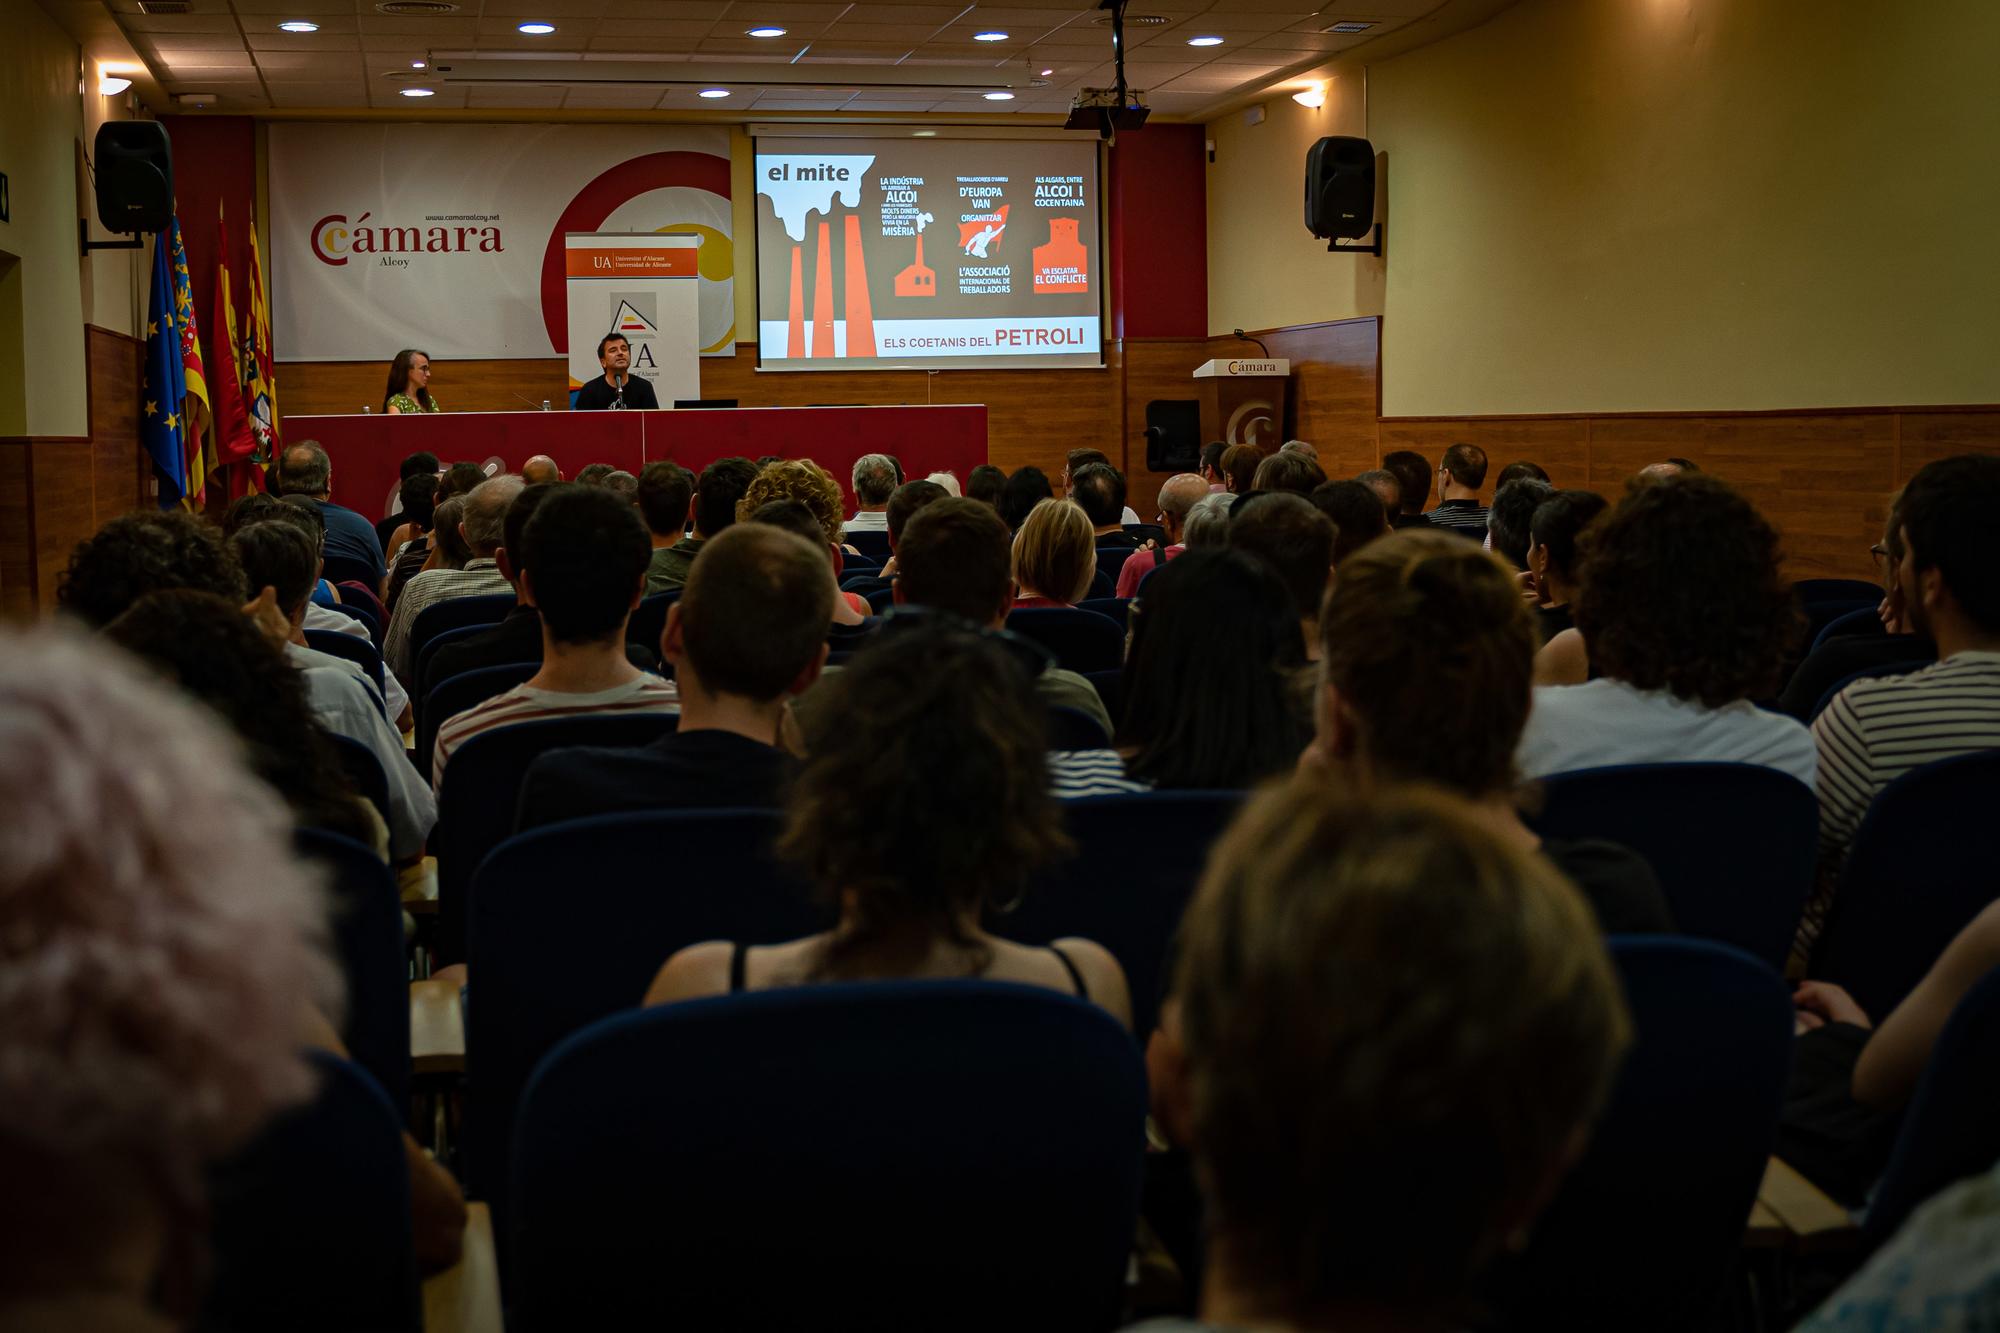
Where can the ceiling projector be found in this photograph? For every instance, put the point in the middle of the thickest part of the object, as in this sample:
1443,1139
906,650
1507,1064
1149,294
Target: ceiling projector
1106,110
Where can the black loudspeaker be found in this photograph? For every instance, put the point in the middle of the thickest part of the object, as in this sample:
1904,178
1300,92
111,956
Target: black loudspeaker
135,176
1340,188
1173,435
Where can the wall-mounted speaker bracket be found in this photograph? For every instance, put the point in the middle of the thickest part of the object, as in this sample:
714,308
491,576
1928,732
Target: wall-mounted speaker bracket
85,245
1374,247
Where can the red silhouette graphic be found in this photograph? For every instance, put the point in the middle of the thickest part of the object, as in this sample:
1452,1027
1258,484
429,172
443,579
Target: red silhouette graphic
860,313
822,337
795,316
916,280
981,235
1063,265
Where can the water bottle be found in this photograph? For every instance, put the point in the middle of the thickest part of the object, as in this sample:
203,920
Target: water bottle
545,406
366,410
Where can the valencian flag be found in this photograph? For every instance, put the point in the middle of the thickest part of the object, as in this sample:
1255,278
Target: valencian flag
199,444
163,418
235,442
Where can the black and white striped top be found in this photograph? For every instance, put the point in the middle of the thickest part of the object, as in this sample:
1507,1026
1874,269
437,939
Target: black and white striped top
1464,515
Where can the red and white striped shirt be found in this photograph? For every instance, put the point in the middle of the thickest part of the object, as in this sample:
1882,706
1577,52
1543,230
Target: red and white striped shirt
525,703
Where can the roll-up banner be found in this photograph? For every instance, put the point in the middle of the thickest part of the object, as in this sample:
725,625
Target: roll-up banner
450,238
645,288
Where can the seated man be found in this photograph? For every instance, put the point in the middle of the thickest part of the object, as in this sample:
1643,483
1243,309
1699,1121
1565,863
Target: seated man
954,557
1211,465
1076,461
1296,540
874,479
1413,487
1099,491
304,469
583,567
1357,514
748,633
1460,476
908,499
716,493
665,491
1510,522
1387,489
541,470
1177,495
617,388
850,619
395,699
483,527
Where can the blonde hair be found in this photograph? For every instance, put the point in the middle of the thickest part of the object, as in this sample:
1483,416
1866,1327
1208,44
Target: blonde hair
1055,552
1376,990
798,479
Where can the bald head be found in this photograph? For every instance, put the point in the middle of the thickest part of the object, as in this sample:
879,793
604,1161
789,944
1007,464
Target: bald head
541,470
1177,496
1657,471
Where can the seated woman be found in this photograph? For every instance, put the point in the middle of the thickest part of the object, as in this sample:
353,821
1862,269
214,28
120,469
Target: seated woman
937,717
443,547
418,497
1213,692
1424,635
1055,556
409,392
1552,532
1377,990
1688,619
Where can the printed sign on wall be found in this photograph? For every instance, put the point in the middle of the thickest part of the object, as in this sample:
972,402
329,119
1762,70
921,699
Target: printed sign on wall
645,289
449,238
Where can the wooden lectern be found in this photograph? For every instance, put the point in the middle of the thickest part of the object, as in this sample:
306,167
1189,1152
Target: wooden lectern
1243,401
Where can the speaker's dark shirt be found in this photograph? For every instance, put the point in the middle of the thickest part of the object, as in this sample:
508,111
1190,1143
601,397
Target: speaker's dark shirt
598,395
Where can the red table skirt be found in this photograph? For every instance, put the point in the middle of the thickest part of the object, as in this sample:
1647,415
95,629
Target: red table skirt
367,450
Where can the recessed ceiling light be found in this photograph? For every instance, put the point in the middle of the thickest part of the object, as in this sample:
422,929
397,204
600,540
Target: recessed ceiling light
1047,72
714,92
418,92
1204,41
110,85
923,134
764,32
535,29
298,25
989,36
416,64
999,97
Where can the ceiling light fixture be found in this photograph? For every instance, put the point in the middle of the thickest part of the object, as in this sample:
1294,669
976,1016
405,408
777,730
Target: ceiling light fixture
923,134
298,25
714,92
416,64
1047,72
1204,41
110,85
764,32
999,97
535,29
989,36
1314,96
418,92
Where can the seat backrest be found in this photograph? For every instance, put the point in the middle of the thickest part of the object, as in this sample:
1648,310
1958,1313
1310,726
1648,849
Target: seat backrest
1114,607
1101,585
1861,620
871,542
309,1225
1821,614
364,770
1871,672
861,564
1644,1232
482,787
649,619
426,661
1810,591
1111,559
346,569
881,598
1083,641
1145,532
367,922
1074,729
487,608
348,648
569,923
448,698
888,1156
360,602
1915,875
1735,846
1952,1129
1137,862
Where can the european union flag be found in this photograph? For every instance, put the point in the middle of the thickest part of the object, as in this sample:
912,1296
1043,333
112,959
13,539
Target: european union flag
162,424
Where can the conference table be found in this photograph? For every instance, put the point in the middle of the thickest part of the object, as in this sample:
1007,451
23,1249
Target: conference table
367,450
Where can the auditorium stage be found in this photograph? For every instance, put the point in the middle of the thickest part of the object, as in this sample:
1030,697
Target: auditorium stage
367,449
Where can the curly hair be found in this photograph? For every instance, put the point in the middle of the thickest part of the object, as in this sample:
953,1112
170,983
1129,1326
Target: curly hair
1681,591
135,554
1424,633
940,717
159,939
798,479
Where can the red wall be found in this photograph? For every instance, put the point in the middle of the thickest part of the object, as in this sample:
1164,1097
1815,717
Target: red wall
215,168
1159,233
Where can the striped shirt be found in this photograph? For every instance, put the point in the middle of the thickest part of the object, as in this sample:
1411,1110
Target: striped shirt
1874,731
427,589
1077,773
1467,516
526,703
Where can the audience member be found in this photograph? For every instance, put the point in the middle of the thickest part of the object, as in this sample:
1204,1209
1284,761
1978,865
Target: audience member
1055,556
1211,464
747,634
1891,638
1239,468
874,481
1208,521
1377,989
482,527
1179,494
1301,448
934,717
304,469
593,474
1552,535
141,552
1508,523
1288,471
1874,731
851,611
160,945
583,567
945,481
1357,513
985,484
1425,636
541,470
1413,481
1387,489
442,547
395,700
1099,490
1212,693
1026,487
1688,620
421,464
623,485
1076,460
297,509
1516,471
903,505
416,502
1297,541
459,479
802,480
1672,467
1940,1270
716,494
1460,476
666,489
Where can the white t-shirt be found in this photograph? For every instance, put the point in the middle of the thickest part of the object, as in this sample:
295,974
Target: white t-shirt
868,520
1605,722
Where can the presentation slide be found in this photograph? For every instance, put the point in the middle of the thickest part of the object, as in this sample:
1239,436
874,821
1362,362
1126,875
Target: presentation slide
939,253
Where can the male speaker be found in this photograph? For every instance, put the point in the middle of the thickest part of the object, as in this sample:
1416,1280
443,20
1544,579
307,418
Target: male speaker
135,176
1340,188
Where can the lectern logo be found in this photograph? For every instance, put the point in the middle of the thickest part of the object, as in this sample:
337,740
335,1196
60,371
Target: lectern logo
636,315
1253,367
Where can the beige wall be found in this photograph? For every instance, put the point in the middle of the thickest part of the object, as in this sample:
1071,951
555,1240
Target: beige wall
41,121
116,283
1693,205
1265,271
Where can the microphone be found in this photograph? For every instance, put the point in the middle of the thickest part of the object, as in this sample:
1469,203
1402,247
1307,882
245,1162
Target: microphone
1259,341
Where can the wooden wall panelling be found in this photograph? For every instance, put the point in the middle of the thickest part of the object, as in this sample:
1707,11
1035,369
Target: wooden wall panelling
1927,436
1335,392
1155,368
1560,444
119,466
17,531
65,508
